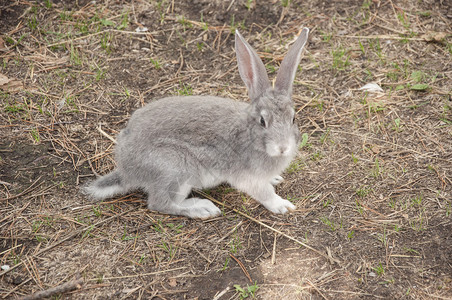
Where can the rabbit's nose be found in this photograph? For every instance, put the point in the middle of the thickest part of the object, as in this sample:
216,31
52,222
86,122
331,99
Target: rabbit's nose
283,149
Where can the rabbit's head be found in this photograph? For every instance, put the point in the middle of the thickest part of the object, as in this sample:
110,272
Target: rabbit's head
271,115
272,122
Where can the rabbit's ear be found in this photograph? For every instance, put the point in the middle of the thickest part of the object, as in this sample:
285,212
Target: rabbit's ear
251,68
288,68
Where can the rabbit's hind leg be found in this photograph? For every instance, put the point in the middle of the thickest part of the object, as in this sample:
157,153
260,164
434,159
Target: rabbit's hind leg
173,200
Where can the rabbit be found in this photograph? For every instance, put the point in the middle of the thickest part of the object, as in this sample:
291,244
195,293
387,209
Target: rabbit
175,144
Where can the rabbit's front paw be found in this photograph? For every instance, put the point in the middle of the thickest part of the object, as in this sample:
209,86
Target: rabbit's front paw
199,208
277,180
280,206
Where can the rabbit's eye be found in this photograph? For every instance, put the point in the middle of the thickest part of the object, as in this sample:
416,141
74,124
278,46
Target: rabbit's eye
262,122
293,120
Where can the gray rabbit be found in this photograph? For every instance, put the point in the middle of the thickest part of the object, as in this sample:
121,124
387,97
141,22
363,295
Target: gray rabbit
178,143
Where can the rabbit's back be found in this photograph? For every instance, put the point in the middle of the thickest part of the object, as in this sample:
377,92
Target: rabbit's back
185,118
184,134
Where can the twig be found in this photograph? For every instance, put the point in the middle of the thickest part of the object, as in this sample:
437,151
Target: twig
283,13
274,250
318,291
230,5
59,289
331,259
202,255
242,267
106,134
230,232
7,250
307,103
160,84
181,63
138,275
219,295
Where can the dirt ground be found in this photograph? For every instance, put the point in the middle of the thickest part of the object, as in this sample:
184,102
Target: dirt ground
372,183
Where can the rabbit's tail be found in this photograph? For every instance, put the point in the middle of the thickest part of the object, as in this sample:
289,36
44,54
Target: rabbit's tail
105,187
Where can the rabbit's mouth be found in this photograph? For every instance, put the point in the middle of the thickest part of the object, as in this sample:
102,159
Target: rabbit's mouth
276,150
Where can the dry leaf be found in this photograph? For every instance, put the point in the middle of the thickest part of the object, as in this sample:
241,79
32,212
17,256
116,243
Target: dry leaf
374,148
131,290
2,43
10,85
172,282
371,87
3,79
433,36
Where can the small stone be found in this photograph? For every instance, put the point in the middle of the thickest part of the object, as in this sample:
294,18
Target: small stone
141,29
17,280
5,267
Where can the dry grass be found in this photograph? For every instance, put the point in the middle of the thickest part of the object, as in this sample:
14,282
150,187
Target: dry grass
372,183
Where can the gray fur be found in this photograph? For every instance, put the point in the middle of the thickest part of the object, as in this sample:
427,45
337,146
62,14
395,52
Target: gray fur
178,143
